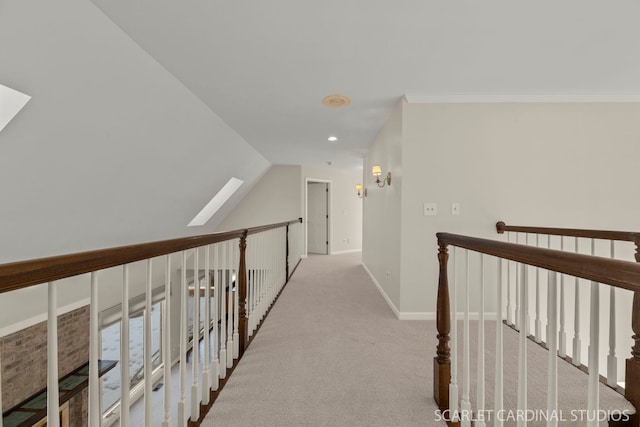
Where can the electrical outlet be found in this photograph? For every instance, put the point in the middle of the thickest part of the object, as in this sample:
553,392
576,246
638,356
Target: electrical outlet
455,208
430,209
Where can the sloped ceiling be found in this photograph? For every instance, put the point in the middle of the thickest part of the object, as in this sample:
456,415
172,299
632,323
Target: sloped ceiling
112,149
264,66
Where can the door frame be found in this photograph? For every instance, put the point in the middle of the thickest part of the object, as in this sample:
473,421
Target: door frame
306,212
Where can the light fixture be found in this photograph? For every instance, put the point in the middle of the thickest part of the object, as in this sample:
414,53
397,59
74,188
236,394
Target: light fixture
332,138
377,172
359,190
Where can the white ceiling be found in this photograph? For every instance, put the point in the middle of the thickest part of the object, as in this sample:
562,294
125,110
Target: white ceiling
264,66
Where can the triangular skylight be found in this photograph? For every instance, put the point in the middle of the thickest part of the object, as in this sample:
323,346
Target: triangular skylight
11,102
216,203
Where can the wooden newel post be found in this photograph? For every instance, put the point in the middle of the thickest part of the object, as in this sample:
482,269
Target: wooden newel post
286,279
632,374
243,331
442,361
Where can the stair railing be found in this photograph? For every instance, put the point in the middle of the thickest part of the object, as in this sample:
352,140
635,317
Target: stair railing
616,273
254,263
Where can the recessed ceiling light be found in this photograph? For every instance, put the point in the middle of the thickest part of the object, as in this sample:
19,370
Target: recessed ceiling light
332,138
336,101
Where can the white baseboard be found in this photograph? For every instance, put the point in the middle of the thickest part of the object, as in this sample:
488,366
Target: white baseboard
348,251
382,292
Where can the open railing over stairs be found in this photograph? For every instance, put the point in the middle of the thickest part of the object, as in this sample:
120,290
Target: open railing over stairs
513,267
239,273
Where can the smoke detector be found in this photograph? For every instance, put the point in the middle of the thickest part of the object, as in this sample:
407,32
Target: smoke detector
336,101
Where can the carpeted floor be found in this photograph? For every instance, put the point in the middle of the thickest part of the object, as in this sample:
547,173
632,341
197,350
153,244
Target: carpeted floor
331,353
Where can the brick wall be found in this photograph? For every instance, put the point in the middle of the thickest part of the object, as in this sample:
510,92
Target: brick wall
23,355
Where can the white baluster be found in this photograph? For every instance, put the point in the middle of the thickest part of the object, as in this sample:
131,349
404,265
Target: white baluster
465,403
562,335
577,344
166,343
594,347
94,354
215,371
509,309
184,332
517,323
538,324
612,360
206,362
53,400
223,312
236,301
251,282
230,305
522,355
480,385
148,351
453,386
195,341
499,389
125,381
552,370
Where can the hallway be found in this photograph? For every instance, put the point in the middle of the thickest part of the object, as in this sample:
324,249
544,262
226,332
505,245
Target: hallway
331,323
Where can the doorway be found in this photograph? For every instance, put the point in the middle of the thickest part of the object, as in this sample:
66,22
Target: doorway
317,213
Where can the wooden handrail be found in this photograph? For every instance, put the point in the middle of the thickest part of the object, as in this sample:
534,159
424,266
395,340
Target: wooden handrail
621,274
22,274
628,236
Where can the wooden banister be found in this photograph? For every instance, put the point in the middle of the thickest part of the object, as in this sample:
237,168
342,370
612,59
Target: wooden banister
22,274
621,274
628,236
442,361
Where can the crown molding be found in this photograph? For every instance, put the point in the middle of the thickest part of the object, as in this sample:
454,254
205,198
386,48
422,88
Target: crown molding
418,98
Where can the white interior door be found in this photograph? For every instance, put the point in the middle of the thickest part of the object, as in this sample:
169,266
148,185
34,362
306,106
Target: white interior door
317,221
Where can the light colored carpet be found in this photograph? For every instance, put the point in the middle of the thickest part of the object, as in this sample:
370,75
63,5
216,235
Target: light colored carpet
331,353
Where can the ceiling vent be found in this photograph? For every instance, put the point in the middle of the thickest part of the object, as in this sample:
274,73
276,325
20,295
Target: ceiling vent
336,101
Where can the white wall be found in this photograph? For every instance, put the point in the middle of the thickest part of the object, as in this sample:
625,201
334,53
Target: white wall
382,251
111,149
561,164
275,198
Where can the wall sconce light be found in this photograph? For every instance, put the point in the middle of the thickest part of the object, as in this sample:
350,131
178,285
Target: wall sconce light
359,189
377,172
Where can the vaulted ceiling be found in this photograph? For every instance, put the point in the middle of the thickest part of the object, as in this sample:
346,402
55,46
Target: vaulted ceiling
264,66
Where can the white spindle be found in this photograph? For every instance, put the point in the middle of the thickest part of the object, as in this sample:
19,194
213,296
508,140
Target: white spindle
230,305
251,282
166,343
499,390
538,324
577,345
465,403
236,301
480,386
223,312
206,362
148,351
195,341
612,360
125,381
552,338
517,323
509,309
562,335
522,354
453,386
94,354
215,370
594,347
184,332
53,400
